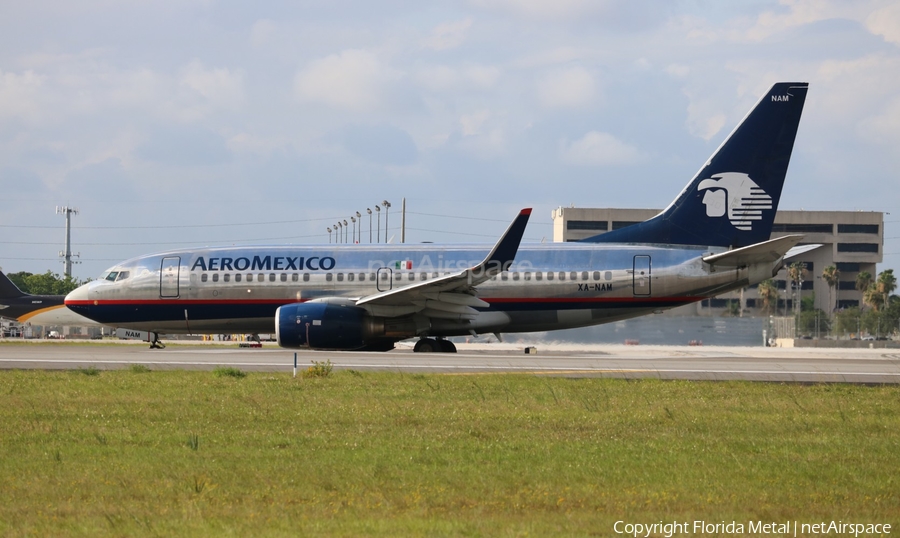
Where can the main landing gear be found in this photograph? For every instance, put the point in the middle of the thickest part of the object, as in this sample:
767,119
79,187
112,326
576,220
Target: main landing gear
434,345
155,343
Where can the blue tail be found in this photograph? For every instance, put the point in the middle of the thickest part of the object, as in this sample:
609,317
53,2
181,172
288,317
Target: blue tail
731,202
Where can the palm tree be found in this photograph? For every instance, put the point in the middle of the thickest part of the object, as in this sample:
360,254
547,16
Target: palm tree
796,272
832,277
863,279
886,284
873,297
768,294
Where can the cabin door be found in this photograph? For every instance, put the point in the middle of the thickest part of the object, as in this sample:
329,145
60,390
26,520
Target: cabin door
168,276
641,276
384,278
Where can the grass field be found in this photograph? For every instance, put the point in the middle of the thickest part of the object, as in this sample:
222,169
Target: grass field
139,452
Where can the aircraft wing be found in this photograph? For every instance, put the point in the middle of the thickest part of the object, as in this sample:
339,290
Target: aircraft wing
451,296
767,251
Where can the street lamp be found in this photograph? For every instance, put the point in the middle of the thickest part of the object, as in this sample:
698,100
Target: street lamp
369,211
329,234
387,207
339,234
359,230
378,235
345,230
353,239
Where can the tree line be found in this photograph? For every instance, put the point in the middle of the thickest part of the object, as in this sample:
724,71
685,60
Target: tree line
48,283
878,313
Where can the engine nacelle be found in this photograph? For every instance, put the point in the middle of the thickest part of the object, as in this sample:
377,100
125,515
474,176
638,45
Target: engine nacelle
322,326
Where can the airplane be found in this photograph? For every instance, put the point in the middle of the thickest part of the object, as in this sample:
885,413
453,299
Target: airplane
43,310
713,238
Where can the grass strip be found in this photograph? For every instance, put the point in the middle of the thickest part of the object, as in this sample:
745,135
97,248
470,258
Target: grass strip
138,452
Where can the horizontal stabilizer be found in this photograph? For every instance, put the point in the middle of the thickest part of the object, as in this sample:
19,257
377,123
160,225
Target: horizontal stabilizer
801,249
765,252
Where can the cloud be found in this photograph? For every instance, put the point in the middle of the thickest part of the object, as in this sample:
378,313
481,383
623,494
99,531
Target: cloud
184,146
380,144
19,95
597,149
539,9
354,79
448,35
467,77
572,87
886,23
219,87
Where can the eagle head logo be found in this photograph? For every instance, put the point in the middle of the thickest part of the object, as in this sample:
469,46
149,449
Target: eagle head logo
737,194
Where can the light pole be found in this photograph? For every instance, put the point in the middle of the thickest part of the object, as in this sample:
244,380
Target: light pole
378,235
387,207
353,239
345,230
369,211
340,236
329,234
359,230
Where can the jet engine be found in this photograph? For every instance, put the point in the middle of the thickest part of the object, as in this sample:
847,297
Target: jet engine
329,326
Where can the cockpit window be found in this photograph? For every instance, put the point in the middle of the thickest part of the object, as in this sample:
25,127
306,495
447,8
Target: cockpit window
111,276
123,275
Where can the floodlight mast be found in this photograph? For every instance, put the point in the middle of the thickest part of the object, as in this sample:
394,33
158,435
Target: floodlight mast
387,207
378,235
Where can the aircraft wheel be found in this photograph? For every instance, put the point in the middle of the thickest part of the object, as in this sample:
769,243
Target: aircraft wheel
426,345
446,346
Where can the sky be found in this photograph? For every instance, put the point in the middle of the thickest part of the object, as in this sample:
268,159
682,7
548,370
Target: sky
177,123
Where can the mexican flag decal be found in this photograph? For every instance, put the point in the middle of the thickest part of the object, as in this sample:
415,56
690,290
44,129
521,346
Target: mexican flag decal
403,265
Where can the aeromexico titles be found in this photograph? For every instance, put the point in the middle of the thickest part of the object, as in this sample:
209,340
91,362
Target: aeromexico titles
713,238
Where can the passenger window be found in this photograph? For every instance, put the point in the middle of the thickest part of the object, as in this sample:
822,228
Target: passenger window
412,276
384,275
340,277
249,277
237,277
596,275
271,277
328,277
204,277
305,277
527,276
295,277
260,277
515,276
350,277
362,277
607,275
562,275
573,276
423,276
226,277
215,277
504,276
434,275
584,275
284,277
538,275
372,277
549,275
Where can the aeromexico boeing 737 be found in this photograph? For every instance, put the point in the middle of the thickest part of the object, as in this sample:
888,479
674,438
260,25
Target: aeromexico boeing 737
712,239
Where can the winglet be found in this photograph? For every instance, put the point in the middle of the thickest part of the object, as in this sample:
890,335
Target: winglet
504,252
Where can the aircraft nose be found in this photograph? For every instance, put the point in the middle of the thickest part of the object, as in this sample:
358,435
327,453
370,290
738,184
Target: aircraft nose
78,296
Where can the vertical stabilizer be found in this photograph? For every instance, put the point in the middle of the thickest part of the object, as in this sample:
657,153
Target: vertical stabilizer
732,200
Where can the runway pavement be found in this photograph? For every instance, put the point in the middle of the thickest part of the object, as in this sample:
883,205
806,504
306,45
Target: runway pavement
664,362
